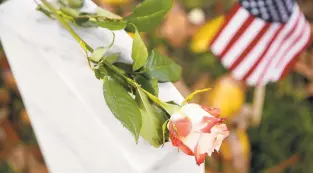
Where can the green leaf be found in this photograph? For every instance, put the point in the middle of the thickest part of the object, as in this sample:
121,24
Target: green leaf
165,131
163,68
173,103
149,14
94,20
100,72
98,53
111,24
171,108
83,20
122,105
127,68
149,85
5,167
69,11
112,58
139,52
105,13
72,3
152,120
195,93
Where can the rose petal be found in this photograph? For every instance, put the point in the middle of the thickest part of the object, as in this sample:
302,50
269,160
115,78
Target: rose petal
218,142
177,116
178,143
207,123
183,126
213,111
205,143
197,131
186,150
191,140
220,128
220,132
175,141
199,155
195,113
200,158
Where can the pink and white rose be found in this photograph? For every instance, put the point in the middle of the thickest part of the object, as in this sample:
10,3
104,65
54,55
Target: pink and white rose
197,130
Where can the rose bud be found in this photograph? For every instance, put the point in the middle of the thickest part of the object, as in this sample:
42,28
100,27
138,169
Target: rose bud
197,131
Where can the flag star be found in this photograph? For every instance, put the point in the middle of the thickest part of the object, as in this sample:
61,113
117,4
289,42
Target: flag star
255,11
263,10
261,3
289,5
265,16
289,2
285,17
245,4
253,4
269,2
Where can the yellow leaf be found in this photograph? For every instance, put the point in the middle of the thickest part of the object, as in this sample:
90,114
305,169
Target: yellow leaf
131,34
225,150
195,93
228,95
24,117
142,34
228,146
244,142
202,39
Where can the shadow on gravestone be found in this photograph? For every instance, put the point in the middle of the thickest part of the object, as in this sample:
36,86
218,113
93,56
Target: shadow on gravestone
76,130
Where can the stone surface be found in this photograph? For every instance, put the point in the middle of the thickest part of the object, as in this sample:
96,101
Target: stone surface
76,131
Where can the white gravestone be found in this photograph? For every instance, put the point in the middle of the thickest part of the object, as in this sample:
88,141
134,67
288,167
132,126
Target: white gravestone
76,130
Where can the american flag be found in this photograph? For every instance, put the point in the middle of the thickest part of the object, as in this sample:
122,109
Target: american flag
260,39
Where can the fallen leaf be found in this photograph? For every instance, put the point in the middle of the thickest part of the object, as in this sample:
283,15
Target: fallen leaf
227,94
4,96
203,37
174,29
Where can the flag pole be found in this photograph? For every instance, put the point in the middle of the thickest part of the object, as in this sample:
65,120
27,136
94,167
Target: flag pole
258,103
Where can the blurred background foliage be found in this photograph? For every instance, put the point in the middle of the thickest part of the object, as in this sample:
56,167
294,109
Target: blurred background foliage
281,142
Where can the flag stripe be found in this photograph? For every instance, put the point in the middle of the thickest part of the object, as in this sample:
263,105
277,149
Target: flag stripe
262,55
292,41
293,44
273,48
228,18
243,30
295,51
257,51
293,34
290,45
240,45
229,31
250,47
272,72
294,60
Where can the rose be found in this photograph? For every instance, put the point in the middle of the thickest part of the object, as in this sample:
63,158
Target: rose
197,130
